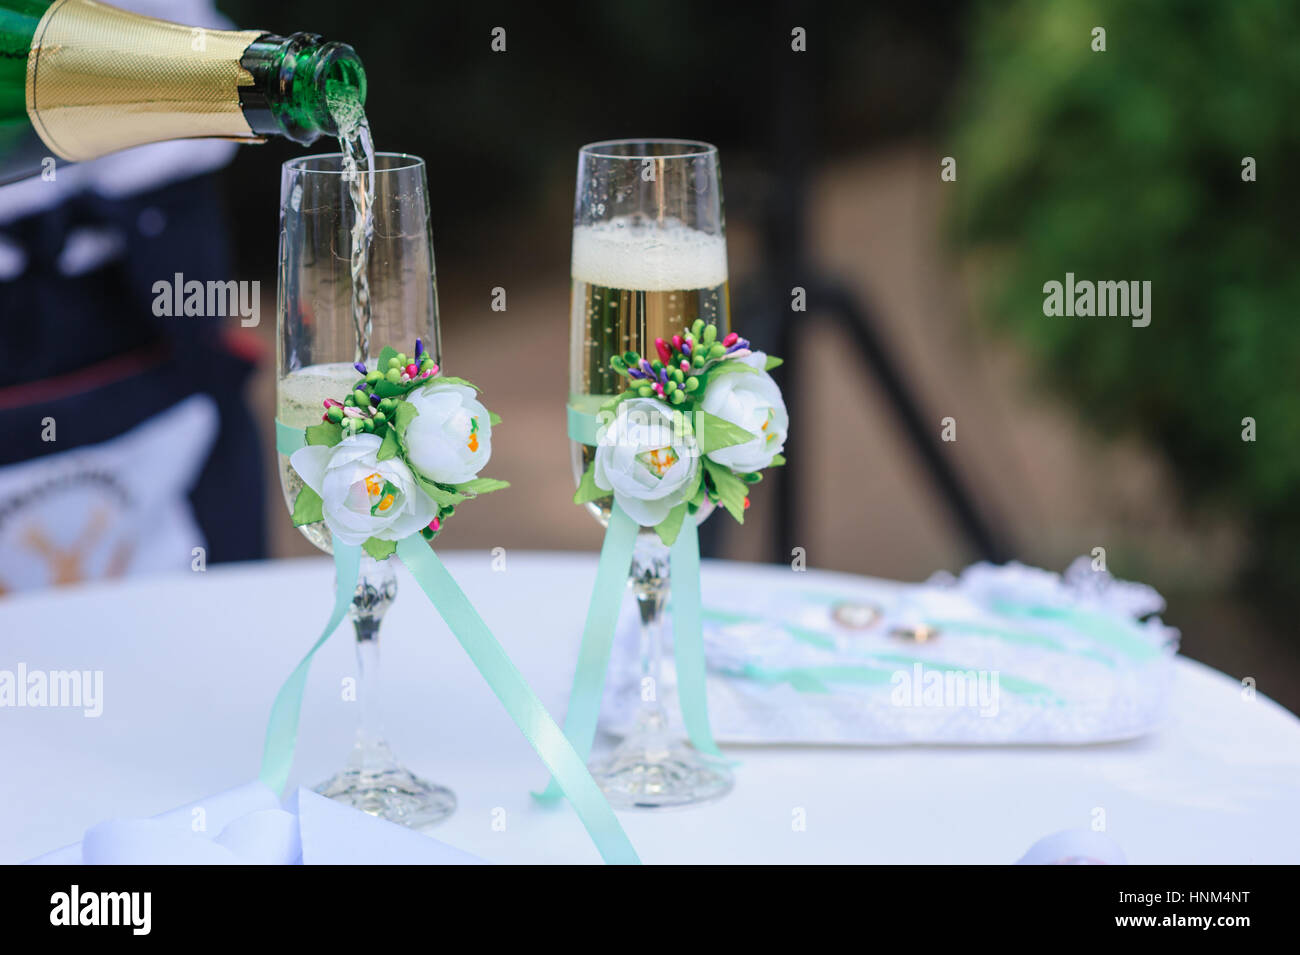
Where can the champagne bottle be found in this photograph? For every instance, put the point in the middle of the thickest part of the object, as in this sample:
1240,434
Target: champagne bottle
80,79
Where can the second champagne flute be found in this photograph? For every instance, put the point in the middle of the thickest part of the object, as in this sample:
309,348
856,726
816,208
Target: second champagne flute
649,258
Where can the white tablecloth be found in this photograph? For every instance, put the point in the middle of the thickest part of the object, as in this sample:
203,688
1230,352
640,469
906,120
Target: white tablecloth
191,662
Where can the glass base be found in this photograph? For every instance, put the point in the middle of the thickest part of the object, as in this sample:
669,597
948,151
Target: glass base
647,772
376,784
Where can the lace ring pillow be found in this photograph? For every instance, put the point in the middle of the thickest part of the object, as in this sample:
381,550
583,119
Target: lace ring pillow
998,655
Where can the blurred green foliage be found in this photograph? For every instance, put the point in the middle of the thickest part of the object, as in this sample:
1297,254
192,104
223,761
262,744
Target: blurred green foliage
1127,164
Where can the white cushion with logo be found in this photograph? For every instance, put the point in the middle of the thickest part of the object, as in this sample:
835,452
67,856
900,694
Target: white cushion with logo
107,510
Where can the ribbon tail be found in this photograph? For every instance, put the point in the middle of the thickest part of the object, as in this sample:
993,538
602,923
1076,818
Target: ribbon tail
597,639
287,439
688,638
282,727
567,767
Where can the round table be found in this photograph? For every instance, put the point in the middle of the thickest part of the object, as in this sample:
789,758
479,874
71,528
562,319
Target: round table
191,662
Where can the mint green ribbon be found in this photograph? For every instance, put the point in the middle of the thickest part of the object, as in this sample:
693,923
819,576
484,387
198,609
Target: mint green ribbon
568,769
688,637
816,679
583,428
1117,634
597,638
583,714
287,439
282,727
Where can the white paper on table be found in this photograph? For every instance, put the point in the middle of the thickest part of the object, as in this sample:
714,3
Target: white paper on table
247,826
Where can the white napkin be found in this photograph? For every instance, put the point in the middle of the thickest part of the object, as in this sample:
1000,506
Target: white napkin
247,826
1074,847
335,834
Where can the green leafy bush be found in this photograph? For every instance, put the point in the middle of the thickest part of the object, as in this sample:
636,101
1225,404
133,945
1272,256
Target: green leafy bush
1127,164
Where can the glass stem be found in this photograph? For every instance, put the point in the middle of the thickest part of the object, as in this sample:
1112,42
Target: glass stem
376,589
650,584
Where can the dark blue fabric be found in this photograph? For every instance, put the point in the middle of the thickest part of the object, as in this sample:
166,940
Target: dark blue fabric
53,325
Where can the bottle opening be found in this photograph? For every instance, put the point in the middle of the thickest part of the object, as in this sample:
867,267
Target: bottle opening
303,87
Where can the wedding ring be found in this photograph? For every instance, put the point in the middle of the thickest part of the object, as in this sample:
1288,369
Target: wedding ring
855,616
917,634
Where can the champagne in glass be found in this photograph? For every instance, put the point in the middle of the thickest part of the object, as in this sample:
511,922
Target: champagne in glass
300,396
336,216
635,280
649,258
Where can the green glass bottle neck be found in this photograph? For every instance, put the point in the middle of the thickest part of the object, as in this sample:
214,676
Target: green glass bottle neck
295,81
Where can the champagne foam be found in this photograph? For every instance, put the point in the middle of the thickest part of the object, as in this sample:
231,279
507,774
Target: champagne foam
648,257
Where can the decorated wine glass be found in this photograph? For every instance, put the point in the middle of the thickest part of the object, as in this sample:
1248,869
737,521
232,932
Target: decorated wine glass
649,264
356,274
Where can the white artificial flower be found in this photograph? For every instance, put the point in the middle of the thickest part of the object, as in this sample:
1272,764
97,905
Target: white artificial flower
648,464
363,496
450,439
752,401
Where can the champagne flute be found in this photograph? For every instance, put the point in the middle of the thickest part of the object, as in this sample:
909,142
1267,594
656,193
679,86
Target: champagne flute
329,318
649,258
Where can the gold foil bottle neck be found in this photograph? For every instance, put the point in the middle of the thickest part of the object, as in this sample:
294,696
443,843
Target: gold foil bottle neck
100,79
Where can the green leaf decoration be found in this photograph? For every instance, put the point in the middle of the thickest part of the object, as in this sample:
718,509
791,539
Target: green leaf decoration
444,380
403,415
701,495
390,447
386,354
308,508
617,400
587,489
494,418
379,550
777,460
671,526
731,490
697,482
441,496
386,389
481,486
715,433
327,433
731,368
773,362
